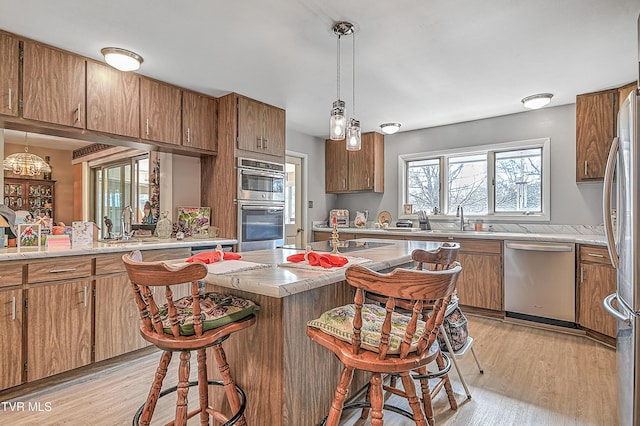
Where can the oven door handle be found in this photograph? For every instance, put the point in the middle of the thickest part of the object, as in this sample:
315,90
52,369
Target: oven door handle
270,208
265,174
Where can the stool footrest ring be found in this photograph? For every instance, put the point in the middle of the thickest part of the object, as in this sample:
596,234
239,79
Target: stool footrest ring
436,374
232,420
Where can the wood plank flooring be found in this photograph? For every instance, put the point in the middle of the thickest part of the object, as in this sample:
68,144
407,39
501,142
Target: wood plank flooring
532,377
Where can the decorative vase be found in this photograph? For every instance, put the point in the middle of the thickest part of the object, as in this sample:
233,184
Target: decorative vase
164,227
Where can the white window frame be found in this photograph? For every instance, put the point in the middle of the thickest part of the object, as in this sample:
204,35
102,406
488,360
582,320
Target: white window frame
492,216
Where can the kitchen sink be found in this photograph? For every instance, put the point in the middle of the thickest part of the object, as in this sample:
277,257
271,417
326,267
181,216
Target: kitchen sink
130,241
400,229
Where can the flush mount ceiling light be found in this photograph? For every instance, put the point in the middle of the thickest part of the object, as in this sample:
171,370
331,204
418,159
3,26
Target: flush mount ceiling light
25,163
390,128
537,101
122,59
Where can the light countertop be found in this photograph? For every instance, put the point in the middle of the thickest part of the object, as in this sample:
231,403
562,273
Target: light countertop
103,248
594,239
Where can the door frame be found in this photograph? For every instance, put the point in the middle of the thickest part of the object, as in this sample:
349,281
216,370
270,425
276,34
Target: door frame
304,158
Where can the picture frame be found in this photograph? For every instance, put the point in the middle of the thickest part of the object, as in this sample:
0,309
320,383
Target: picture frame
407,209
28,236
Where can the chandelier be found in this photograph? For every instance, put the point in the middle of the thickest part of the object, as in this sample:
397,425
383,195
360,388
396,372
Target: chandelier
338,124
25,163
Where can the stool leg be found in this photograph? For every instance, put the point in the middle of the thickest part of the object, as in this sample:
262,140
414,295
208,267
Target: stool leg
203,387
183,389
338,400
452,357
473,351
229,384
447,383
156,387
375,395
426,395
414,402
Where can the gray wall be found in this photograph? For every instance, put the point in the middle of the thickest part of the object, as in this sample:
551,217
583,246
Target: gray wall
571,203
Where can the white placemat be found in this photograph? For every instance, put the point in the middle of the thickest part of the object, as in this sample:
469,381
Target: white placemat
304,265
229,266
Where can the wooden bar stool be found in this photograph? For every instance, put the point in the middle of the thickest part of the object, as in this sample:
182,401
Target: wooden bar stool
379,340
183,326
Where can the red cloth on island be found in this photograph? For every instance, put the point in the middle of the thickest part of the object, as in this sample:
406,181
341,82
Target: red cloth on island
213,257
317,259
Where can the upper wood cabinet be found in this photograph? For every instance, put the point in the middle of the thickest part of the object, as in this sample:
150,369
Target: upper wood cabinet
355,171
596,118
53,85
9,59
160,109
199,122
113,101
624,91
261,127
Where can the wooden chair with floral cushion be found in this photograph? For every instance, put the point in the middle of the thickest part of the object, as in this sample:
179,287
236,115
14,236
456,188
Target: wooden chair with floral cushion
379,340
184,326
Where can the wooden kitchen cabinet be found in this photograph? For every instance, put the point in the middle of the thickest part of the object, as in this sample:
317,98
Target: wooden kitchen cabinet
596,120
624,91
261,127
53,85
355,171
59,336
596,280
10,54
199,124
11,337
160,111
30,194
113,100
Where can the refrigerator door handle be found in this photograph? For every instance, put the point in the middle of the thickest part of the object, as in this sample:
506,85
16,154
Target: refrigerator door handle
606,203
613,311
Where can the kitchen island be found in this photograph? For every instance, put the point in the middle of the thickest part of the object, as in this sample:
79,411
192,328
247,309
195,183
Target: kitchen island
288,379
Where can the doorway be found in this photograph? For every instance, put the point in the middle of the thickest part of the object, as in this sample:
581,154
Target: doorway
295,214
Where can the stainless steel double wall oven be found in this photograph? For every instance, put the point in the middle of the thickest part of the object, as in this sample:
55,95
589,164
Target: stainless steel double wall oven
260,197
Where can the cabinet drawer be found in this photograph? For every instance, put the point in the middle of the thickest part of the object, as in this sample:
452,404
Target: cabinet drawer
59,269
480,246
10,274
157,255
109,264
594,254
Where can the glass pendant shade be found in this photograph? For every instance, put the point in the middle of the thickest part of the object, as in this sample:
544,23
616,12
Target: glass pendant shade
354,139
25,164
338,122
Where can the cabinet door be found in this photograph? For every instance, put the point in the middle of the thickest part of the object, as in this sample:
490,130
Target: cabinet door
250,125
595,129
117,319
596,283
11,337
160,106
624,91
9,52
113,101
199,121
59,335
274,131
361,166
336,172
480,283
53,85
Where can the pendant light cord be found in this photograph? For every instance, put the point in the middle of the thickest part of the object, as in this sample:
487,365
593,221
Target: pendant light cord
338,71
354,73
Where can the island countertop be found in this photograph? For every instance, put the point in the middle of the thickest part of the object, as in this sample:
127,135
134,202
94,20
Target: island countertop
281,281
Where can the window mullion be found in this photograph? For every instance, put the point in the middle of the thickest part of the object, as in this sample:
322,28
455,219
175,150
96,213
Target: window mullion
491,182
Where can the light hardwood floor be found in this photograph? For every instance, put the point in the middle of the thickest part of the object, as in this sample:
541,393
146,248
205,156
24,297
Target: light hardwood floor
532,377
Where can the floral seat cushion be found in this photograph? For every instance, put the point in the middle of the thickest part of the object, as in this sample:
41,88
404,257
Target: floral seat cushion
216,310
338,322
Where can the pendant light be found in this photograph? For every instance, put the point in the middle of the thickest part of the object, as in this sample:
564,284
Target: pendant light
354,135
338,121
25,163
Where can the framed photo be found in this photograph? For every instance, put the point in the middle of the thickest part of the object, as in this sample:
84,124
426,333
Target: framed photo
407,209
28,236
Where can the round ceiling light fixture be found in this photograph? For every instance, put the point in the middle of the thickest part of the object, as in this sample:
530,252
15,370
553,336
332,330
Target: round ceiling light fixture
537,101
389,128
122,59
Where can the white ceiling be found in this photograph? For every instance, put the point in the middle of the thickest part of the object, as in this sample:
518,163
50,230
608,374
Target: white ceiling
422,63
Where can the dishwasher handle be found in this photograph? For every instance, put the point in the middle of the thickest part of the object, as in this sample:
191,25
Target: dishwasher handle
539,247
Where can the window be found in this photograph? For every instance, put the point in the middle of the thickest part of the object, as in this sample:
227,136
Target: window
502,180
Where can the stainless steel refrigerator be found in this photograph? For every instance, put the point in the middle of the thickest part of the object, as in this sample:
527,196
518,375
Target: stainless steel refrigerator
621,186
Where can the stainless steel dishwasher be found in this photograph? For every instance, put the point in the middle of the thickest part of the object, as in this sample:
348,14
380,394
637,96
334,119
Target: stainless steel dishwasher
539,282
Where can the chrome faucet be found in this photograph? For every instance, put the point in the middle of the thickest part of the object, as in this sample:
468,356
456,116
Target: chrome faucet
125,223
460,214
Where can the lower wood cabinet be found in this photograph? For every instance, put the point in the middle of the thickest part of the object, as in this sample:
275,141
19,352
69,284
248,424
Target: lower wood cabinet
116,319
596,280
480,282
11,337
59,336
